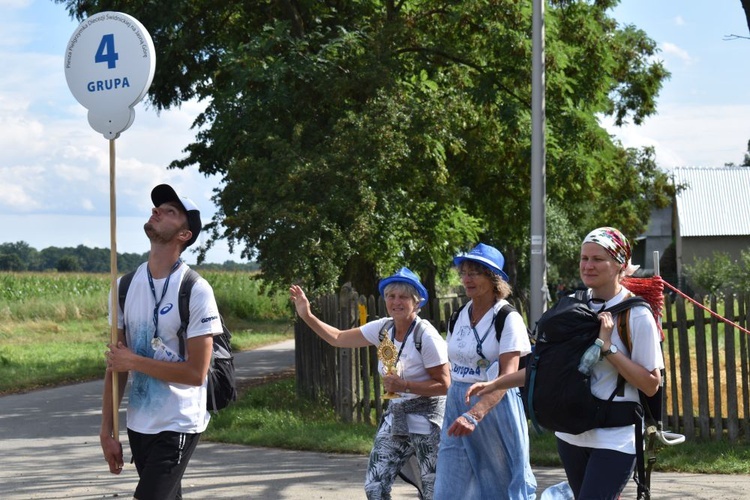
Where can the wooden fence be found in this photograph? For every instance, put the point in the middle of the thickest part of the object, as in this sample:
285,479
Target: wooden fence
707,382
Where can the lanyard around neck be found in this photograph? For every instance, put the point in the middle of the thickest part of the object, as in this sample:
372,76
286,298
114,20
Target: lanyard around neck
476,334
403,343
163,293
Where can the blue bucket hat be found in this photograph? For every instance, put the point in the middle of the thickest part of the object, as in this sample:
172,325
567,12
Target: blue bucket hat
405,275
489,257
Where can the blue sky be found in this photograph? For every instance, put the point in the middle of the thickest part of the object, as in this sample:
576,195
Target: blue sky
54,168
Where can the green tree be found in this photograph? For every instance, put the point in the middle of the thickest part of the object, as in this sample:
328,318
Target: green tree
27,255
711,276
741,276
11,262
354,137
68,264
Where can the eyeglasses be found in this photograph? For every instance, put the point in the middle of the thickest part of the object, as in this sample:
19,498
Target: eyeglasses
469,274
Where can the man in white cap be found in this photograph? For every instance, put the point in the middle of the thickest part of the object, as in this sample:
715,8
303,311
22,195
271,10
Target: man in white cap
166,411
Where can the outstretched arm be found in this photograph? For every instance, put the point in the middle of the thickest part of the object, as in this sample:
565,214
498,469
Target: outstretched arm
337,338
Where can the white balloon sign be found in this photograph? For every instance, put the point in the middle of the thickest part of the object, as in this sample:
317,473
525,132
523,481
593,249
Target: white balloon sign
109,67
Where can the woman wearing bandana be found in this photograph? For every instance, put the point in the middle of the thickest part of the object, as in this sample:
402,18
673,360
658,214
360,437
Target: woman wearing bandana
599,462
484,446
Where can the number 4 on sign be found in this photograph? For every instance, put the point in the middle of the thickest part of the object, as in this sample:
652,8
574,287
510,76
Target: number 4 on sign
106,51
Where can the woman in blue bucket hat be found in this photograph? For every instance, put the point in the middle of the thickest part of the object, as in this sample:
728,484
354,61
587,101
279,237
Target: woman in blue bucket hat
411,426
484,445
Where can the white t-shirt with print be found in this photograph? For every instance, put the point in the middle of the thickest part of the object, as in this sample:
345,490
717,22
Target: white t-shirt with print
413,364
155,405
646,343
462,343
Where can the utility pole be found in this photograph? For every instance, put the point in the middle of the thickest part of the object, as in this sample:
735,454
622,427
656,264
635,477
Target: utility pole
538,288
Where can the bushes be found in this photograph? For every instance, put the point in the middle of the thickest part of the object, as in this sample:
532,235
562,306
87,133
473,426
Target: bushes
711,276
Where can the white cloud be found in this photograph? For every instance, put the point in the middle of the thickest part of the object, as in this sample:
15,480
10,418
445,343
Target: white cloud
695,135
55,169
679,21
670,49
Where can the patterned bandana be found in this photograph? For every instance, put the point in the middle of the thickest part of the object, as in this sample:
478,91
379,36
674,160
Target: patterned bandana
613,241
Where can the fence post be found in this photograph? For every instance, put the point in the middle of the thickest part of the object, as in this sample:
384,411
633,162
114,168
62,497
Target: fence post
685,374
730,367
701,361
744,320
345,356
715,357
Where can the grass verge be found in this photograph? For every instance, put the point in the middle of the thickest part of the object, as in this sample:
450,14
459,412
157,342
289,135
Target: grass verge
269,414
37,354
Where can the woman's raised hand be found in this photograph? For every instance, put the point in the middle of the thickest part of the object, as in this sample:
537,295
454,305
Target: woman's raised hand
301,304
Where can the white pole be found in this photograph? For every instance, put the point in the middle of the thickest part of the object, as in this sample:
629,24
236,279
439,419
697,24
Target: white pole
538,262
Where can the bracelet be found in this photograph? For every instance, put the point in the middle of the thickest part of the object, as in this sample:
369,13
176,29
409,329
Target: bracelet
468,416
407,387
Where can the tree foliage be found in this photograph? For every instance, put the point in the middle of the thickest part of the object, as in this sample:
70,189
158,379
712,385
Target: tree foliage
711,276
357,136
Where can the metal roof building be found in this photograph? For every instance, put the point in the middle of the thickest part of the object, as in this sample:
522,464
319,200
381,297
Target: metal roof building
712,211
714,201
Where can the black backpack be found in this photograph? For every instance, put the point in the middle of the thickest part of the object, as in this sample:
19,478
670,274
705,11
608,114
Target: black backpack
222,387
556,395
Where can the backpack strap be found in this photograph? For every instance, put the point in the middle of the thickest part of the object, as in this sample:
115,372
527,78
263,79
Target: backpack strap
418,332
123,287
383,331
502,315
454,318
122,292
183,305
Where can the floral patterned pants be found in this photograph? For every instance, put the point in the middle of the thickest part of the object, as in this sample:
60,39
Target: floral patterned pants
390,453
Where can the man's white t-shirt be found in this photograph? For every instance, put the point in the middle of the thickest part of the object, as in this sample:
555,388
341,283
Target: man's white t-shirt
155,405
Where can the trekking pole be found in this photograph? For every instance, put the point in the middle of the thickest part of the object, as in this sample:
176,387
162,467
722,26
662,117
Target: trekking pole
664,437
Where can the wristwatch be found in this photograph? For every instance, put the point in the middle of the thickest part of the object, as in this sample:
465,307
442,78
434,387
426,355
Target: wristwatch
612,350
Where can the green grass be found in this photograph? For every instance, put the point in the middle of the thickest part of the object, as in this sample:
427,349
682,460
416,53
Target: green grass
272,416
54,327
35,354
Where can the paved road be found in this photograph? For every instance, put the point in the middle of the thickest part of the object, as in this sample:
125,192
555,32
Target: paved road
49,449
